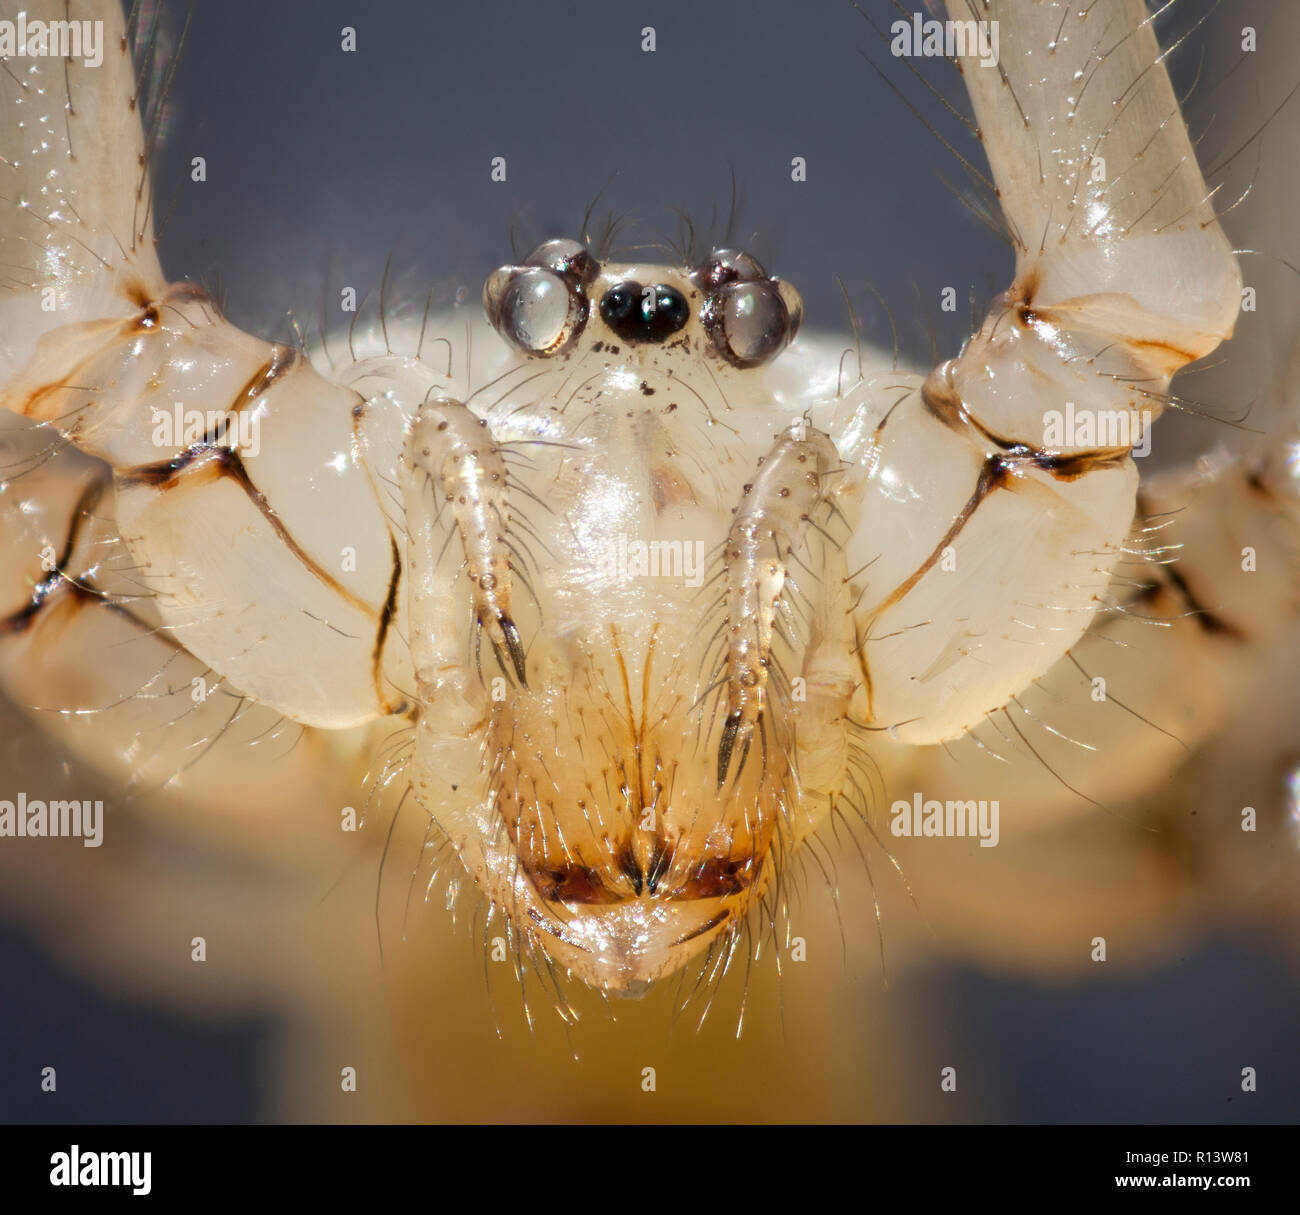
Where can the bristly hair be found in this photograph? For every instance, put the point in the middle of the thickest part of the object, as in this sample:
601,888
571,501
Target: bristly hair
688,245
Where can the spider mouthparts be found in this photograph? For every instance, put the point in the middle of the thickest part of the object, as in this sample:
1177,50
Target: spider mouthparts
727,744
514,647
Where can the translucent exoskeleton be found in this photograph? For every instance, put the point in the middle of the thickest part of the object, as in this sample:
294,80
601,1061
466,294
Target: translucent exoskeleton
632,590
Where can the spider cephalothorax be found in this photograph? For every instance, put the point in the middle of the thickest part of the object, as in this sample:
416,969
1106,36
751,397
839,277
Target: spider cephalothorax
626,789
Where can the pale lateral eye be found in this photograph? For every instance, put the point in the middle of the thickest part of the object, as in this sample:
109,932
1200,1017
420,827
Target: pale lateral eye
753,320
566,257
750,322
534,308
727,266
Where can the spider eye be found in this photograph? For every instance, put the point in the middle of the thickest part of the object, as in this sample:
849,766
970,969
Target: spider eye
567,258
726,266
671,309
620,305
644,314
542,306
749,315
535,308
750,322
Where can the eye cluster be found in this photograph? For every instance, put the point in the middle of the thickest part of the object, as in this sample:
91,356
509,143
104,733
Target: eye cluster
644,313
542,306
749,315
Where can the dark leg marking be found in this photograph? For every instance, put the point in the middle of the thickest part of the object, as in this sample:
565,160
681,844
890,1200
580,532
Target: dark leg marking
201,464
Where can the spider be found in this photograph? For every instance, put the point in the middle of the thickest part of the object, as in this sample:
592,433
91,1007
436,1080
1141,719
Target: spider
634,588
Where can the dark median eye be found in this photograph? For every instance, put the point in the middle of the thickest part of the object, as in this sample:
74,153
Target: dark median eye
644,314
671,310
621,306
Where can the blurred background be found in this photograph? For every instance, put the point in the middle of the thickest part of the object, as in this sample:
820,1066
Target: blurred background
320,167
